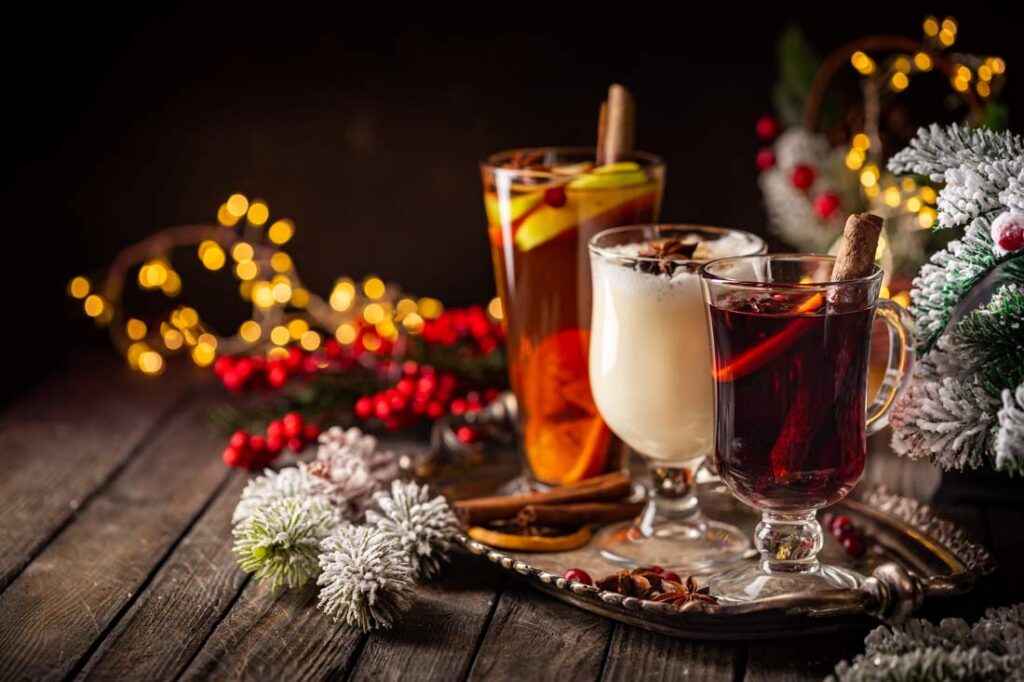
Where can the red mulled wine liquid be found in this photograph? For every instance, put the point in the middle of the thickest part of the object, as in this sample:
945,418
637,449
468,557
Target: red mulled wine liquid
789,392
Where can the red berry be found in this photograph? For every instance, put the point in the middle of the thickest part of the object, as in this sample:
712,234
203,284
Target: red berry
656,569
766,127
392,423
293,424
239,440
1011,237
435,410
277,375
578,575
275,444
311,432
364,407
465,434
841,525
765,159
232,380
296,444
826,204
223,364
802,176
458,406
231,456
243,368
672,575
258,444
381,409
405,387
294,358
275,428
555,197
853,544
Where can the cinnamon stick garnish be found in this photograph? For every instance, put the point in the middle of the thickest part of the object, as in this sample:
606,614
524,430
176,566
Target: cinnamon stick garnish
605,488
618,144
578,514
856,254
602,132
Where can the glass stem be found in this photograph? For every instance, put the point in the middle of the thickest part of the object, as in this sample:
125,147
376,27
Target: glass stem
672,499
789,542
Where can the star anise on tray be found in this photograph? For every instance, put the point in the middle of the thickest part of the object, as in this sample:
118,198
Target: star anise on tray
642,583
660,255
688,592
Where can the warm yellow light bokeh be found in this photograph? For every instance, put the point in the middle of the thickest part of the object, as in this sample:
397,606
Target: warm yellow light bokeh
281,231
250,331
79,287
258,213
237,205
374,287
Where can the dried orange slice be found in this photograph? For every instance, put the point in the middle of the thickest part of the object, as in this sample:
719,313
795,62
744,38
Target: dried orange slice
565,437
530,543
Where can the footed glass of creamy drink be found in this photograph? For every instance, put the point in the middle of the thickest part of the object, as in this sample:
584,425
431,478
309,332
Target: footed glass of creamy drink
650,373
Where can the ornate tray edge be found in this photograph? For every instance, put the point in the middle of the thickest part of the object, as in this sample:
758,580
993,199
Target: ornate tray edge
921,517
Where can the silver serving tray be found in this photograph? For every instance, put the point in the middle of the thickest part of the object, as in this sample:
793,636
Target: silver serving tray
913,555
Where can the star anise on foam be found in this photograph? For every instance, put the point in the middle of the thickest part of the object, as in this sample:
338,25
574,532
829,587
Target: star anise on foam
659,255
686,593
642,583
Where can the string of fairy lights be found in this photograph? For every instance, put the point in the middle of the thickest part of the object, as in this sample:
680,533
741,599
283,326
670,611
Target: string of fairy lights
283,311
971,75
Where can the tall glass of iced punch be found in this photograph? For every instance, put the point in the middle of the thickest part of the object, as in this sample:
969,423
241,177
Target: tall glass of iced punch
543,205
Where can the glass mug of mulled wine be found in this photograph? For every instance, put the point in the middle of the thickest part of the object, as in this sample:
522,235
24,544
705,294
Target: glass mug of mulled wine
790,366
650,371
542,206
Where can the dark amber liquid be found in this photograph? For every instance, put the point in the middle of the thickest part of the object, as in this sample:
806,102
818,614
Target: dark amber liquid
790,420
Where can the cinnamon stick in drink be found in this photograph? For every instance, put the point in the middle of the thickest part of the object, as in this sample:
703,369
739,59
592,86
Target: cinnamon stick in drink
602,132
618,143
855,259
605,488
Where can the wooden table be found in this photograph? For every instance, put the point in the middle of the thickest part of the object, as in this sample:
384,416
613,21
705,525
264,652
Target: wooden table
117,563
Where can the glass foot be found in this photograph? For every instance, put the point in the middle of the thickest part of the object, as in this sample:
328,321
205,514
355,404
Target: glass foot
749,581
688,548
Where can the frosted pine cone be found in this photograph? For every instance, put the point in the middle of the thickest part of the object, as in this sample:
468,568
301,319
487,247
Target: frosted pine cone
366,579
281,541
349,468
290,482
424,527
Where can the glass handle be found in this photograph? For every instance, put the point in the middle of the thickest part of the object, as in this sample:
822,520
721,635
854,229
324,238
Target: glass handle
897,370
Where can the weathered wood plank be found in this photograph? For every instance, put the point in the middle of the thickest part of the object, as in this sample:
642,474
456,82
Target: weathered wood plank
533,636
64,441
275,636
190,594
67,598
438,637
807,658
636,654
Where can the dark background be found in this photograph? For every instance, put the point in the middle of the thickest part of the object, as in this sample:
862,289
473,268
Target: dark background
366,130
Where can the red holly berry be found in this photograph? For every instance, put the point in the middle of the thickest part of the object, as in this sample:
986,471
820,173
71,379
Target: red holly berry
231,456
233,381
258,444
841,524
364,407
765,159
555,197
381,409
802,176
275,444
294,358
853,544
466,434
826,204
293,425
275,428
311,433
766,127
435,410
239,440
578,575
1008,233
277,375
222,365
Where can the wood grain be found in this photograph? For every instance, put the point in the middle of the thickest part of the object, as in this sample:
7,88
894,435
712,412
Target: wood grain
68,597
64,441
161,632
636,654
533,636
438,636
275,636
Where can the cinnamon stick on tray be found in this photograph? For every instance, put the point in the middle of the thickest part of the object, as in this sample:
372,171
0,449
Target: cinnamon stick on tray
577,514
613,486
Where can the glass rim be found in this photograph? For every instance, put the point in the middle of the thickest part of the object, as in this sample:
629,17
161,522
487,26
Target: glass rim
489,163
606,253
711,277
